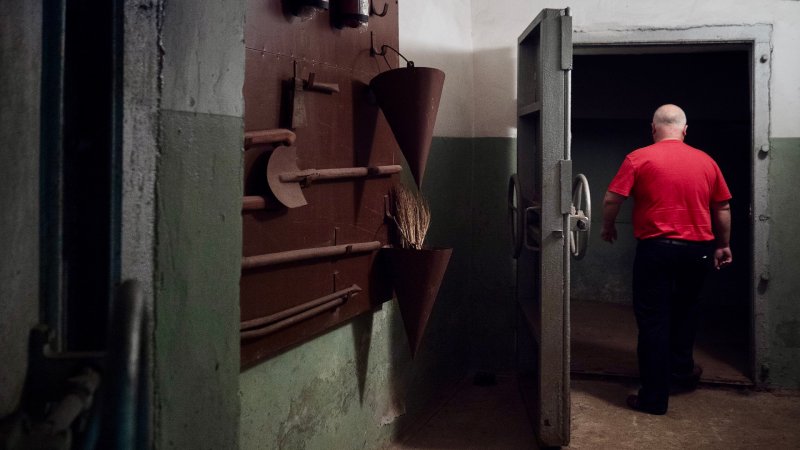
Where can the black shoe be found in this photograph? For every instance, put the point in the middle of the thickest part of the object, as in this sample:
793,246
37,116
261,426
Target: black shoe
688,382
633,403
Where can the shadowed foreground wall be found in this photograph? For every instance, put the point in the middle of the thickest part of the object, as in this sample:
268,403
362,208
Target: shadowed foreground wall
20,53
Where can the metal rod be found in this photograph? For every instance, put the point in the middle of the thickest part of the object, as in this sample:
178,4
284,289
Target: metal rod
251,202
254,323
332,174
258,332
269,259
269,137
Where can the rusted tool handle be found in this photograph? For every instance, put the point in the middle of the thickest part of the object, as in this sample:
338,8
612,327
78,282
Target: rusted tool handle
250,262
278,135
332,174
328,88
267,320
285,323
252,202
312,85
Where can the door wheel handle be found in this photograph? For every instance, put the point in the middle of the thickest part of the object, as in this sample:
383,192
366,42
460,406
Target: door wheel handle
580,217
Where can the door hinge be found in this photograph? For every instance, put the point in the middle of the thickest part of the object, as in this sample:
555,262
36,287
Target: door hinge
566,41
565,175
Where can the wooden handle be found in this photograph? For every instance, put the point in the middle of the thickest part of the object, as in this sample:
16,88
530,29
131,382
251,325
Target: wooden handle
278,135
343,172
328,88
312,85
252,202
272,318
269,259
285,323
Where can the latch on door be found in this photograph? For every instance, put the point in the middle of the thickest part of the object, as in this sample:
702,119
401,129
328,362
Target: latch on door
523,220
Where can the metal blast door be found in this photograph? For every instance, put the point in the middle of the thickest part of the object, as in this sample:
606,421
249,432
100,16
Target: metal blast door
547,219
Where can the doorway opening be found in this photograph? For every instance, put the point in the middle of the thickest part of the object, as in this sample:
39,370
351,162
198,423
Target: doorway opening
615,91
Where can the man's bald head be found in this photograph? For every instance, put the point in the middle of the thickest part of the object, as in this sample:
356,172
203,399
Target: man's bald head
669,122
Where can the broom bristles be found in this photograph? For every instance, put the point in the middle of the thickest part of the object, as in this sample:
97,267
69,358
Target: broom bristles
412,216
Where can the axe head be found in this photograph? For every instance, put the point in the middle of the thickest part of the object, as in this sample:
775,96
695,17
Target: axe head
289,193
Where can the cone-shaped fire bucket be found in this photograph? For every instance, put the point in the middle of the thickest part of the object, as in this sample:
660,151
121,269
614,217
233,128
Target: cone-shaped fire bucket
409,98
417,276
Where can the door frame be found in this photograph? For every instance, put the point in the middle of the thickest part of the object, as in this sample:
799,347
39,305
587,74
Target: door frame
757,39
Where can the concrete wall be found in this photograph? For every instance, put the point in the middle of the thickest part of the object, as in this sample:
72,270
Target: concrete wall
783,285
496,26
439,34
466,180
20,58
198,190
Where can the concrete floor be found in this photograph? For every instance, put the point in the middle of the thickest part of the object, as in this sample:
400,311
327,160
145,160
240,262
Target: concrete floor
604,342
494,417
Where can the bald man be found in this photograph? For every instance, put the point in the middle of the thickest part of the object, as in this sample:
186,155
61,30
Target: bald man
682,221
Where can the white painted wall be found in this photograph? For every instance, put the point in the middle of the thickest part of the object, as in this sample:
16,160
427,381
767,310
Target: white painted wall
440,34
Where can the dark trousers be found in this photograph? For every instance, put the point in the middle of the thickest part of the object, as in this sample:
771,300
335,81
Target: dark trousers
667,278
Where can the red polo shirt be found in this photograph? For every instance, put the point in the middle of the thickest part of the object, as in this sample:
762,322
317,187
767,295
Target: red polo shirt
673,186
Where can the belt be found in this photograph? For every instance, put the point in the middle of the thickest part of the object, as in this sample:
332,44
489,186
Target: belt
679,242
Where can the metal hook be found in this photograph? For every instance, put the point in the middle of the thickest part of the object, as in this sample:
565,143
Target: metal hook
374,11
382,51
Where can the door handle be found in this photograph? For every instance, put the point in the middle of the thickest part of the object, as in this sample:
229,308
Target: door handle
515,218
580,217
533,232
523,221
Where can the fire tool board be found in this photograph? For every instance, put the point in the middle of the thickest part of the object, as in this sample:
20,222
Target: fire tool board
341,129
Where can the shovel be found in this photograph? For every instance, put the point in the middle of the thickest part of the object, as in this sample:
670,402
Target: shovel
286,180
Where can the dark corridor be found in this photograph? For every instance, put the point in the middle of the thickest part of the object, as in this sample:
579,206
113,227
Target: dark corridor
614,96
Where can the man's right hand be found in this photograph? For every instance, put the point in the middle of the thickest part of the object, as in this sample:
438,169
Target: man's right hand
722,257
609,233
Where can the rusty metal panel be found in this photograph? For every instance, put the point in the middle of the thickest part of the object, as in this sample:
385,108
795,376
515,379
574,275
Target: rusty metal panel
342,129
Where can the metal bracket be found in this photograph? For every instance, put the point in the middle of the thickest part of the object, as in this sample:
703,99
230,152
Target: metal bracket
59,390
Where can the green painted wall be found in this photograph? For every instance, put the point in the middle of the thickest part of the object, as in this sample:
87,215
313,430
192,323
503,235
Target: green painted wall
466,182
20,53
344,389
198,258
198,226
783,292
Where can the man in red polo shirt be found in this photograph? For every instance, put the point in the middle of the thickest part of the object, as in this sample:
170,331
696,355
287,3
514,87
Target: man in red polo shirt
682,220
